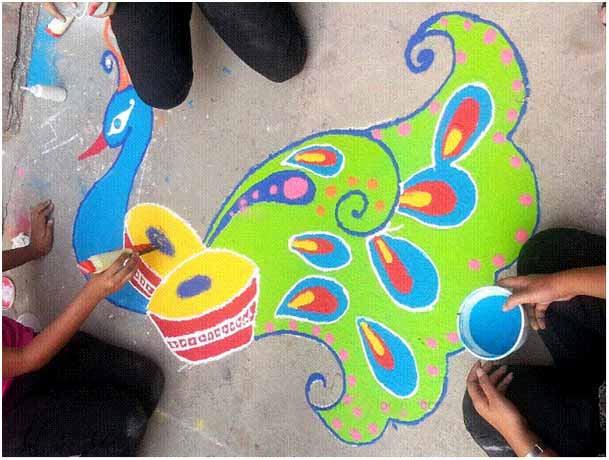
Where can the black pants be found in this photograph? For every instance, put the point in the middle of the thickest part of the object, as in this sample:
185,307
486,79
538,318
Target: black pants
560,403
154,39
92,399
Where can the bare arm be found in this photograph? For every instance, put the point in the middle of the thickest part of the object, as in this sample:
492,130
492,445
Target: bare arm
17,361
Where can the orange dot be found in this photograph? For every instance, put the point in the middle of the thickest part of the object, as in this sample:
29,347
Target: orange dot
372,184
379,205
320,210
352,181
331,191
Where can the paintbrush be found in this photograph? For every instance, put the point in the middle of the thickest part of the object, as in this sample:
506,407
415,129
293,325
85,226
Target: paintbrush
100,262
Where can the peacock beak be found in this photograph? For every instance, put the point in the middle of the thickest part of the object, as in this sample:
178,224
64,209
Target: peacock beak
99,144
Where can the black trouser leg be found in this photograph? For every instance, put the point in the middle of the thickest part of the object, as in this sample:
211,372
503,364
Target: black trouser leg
266,36
154,39
560,403
91,399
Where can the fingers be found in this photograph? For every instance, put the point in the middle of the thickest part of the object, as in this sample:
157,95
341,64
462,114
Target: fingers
128,270
530,310
473,388
41,206
513,282
497,375
485,383
119,263
540,314
516,299
503,384
52,9
109,10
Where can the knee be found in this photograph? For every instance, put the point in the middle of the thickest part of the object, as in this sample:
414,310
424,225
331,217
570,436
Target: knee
552,250
295,55
165,94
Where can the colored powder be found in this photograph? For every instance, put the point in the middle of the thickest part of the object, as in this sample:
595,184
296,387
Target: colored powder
494,330
158,238
194,286
42,69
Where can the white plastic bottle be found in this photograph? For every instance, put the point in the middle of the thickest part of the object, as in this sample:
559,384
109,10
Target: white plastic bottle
52,93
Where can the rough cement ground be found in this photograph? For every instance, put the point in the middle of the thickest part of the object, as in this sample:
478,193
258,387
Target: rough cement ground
248,403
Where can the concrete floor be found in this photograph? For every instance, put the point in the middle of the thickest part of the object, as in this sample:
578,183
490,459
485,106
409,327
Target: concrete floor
247,404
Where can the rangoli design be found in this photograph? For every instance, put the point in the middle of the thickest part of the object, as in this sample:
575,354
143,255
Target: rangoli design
365,241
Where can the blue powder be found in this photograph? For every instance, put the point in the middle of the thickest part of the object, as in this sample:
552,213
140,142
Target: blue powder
42,69
494,330
157,237
194,286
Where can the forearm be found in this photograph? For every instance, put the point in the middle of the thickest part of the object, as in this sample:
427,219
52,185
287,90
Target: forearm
523,440
589,281
15,257
52,339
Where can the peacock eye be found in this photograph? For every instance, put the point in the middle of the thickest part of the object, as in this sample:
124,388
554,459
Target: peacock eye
119,122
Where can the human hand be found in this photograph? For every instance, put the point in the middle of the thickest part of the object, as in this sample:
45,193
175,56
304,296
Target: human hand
52,8
535,293
41,235
488,397
113,278
109,11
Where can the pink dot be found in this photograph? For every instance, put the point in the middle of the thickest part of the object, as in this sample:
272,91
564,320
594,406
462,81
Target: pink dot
255,194
295,187
343,355
474,264
231,213
521,236
506,56
404,129
329,339
433,370
444,22
498,138
337,424
461,57
526,199
242,203
293,325
273,190
269,327
516,162
357,412
467,25
20,171
517,85
377,134
404,413
489,37
434,106
316,331
498,260
347,399
373,428
512,115
424,404
431,343
351,381
355,434
384,407
452,337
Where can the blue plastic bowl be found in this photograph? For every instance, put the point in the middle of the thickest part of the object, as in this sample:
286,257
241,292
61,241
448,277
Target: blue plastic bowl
485,329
